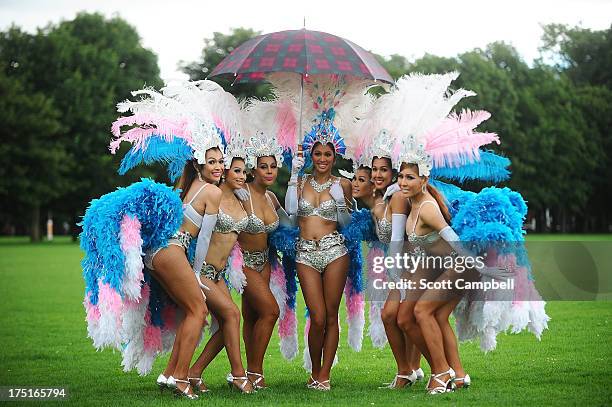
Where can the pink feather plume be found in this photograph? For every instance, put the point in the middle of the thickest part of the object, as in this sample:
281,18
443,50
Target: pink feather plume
149,125
286,124
454,139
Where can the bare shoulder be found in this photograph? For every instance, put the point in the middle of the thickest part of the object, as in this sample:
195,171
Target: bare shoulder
399,204
273,198
431,215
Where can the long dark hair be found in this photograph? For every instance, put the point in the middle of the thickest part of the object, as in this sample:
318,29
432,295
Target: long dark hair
190,173
437,195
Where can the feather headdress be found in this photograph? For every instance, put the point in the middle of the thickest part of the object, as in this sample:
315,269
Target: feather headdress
179,123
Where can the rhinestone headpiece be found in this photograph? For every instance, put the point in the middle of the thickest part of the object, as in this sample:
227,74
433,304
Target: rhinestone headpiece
236,148
325,132
412,152
262,146
204,137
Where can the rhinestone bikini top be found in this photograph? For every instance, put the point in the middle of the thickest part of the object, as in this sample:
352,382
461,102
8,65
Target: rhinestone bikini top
255,224
326,209
383,227
227,224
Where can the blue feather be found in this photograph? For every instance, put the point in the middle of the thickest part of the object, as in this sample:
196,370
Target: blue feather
491,167
175,153
157,207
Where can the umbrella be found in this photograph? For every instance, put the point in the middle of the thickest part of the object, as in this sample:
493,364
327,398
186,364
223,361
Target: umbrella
304,52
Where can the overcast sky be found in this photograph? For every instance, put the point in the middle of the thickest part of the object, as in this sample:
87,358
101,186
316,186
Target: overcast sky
176,30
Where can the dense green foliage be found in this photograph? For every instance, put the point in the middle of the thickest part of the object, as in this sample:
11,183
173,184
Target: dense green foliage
60,86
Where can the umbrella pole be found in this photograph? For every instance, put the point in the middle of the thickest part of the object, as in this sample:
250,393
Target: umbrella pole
300,132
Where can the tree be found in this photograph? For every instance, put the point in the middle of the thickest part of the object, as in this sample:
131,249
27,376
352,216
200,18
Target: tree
217,48
33,171
85,66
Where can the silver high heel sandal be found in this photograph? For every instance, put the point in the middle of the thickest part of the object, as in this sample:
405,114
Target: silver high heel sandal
463,381
184,393
162,382
322,386
313,384
444,386
412,378
198,385
260,377
419,374
245,380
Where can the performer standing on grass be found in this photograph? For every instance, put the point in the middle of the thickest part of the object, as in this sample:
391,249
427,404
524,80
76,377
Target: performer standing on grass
225,329
373,187
259,307
320,202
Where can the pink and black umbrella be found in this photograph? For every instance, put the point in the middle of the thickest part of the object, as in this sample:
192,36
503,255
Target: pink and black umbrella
300,51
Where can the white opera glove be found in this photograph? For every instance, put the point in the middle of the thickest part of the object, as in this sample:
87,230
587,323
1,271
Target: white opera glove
398,227
336,191
284,218
242,194
206,229
297,163
291,198
498,273
391,189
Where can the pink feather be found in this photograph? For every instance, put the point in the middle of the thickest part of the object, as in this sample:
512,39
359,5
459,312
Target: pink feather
93,312
168,315
286,124
149,125
130,233
354,304
152,339
288,325
109,299
237,259
454,139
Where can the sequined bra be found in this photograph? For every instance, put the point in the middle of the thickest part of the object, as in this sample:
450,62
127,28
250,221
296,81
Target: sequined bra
227,224
427,239
255,224
384,227
326,209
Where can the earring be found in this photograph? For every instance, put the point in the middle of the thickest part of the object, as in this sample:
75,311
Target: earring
200,176
423,188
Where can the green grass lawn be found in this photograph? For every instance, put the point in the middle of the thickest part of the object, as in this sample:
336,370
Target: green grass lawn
44,343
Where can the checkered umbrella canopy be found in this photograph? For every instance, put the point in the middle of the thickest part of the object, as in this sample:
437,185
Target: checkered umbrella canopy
301,51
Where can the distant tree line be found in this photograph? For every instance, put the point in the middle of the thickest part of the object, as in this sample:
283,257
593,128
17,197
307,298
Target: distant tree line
60,86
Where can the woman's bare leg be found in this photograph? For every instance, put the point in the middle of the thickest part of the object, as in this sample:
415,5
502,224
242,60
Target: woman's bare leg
311,284
176,276
334,280
259,301
395,336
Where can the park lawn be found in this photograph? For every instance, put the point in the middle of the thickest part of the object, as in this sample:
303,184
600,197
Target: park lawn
44,343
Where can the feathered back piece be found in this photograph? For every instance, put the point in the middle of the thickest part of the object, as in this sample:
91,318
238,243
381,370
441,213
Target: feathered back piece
262,121
413,123
330,106
179,123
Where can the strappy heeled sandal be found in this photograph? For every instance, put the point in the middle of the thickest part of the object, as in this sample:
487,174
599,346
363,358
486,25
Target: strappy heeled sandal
313,384
419,374
463,382
198,384
162,382
184,393
444,386
259,376
245,380
321,386
412,378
